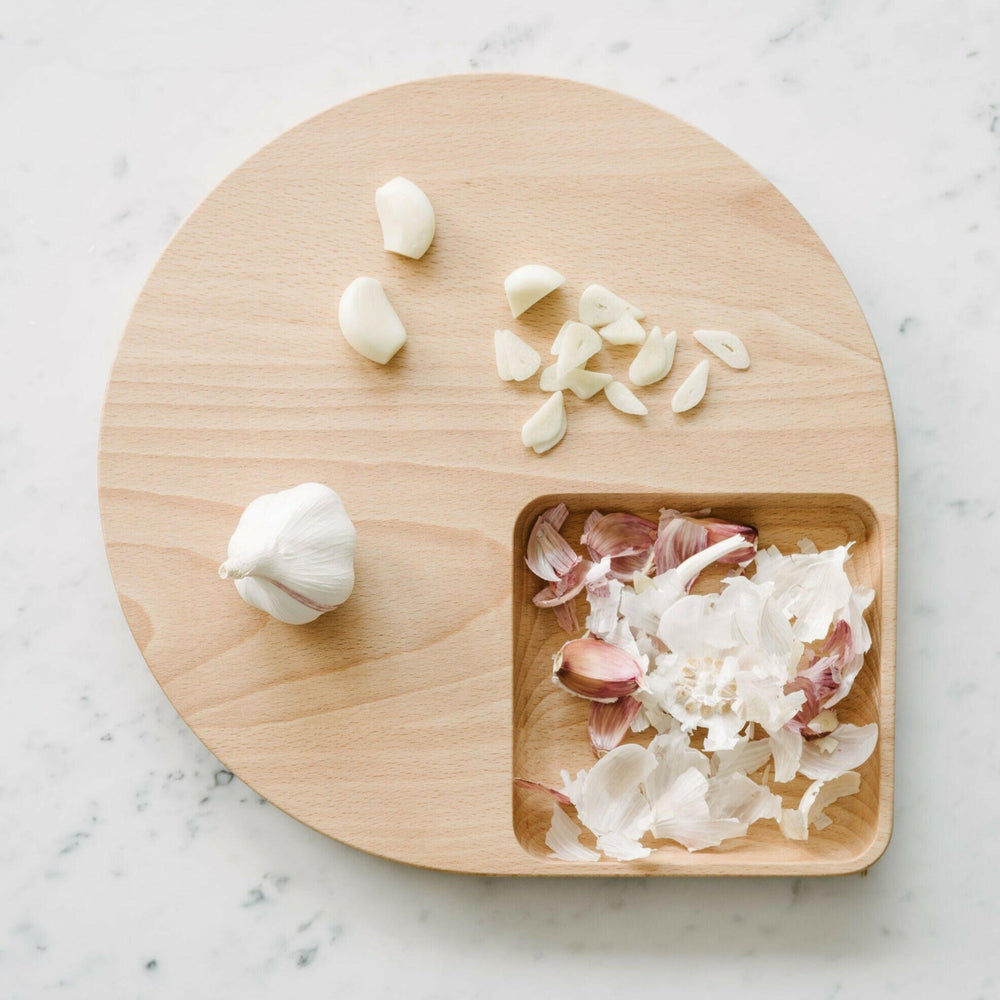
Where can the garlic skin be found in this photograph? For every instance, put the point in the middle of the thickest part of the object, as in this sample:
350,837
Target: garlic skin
368,321
528,285
406,216
292,553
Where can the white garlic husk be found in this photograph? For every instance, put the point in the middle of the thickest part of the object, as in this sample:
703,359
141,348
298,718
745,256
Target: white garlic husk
292,553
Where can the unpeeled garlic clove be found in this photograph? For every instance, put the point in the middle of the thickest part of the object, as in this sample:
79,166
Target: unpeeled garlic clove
578,343
624,330
599,307
529,284
547,426
621,397
655,358
692,390
594,669
724,345
368,321
581,382
406,216
516,360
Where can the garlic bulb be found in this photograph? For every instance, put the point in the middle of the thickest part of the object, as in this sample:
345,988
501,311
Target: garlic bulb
406,216
292,553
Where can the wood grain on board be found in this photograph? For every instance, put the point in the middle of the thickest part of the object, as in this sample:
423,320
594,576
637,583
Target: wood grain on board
397,722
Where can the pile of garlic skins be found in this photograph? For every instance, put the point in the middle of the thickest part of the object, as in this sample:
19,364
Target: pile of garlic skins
604,318
757,668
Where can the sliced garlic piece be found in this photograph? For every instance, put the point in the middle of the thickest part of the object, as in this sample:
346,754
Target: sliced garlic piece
561,337
624,330
516,360
406,216
578,345
692,390
528,284
599,307
655,358
725,345
581,382
621,397
546,428
368,321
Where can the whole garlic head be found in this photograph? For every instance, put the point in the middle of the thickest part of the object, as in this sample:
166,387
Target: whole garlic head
292,553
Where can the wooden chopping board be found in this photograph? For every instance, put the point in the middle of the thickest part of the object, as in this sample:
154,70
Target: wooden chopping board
397,722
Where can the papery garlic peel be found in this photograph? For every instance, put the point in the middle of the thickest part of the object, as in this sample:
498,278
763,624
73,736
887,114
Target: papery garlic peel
292,553
406,216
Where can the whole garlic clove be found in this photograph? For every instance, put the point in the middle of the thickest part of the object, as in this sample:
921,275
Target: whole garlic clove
594,669
624,330
547,427
655,358
528,285
368,321
724,345
622,398
516,360
599,307
582,383
578,343
292,553
406,216
692,390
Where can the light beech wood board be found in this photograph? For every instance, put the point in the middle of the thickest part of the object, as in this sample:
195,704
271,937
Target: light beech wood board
397,722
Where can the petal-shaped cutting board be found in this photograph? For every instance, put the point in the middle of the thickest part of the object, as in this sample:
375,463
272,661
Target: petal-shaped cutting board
397,722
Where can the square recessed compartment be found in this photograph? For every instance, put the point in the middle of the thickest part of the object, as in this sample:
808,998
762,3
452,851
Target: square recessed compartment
550,726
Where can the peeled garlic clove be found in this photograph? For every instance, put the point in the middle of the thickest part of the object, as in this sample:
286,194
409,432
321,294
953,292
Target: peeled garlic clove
581,382
560,337
528,284
655,358
692,389
292,553
624,330
724,345
368,321
594,669
599,307
546,428
579,344
516,360
406,216
621,397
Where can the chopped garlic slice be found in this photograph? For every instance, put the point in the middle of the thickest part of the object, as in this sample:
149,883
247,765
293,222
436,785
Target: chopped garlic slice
692,390
516,360
580,381
547,427
624,330
578,343
655,358
724,345
622,398
599,307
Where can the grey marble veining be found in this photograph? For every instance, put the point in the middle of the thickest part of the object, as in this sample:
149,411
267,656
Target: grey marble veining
131,862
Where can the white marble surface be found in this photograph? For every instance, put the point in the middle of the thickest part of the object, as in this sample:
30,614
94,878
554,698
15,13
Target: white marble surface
131,864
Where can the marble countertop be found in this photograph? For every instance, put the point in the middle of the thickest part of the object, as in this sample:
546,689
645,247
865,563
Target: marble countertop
132,864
